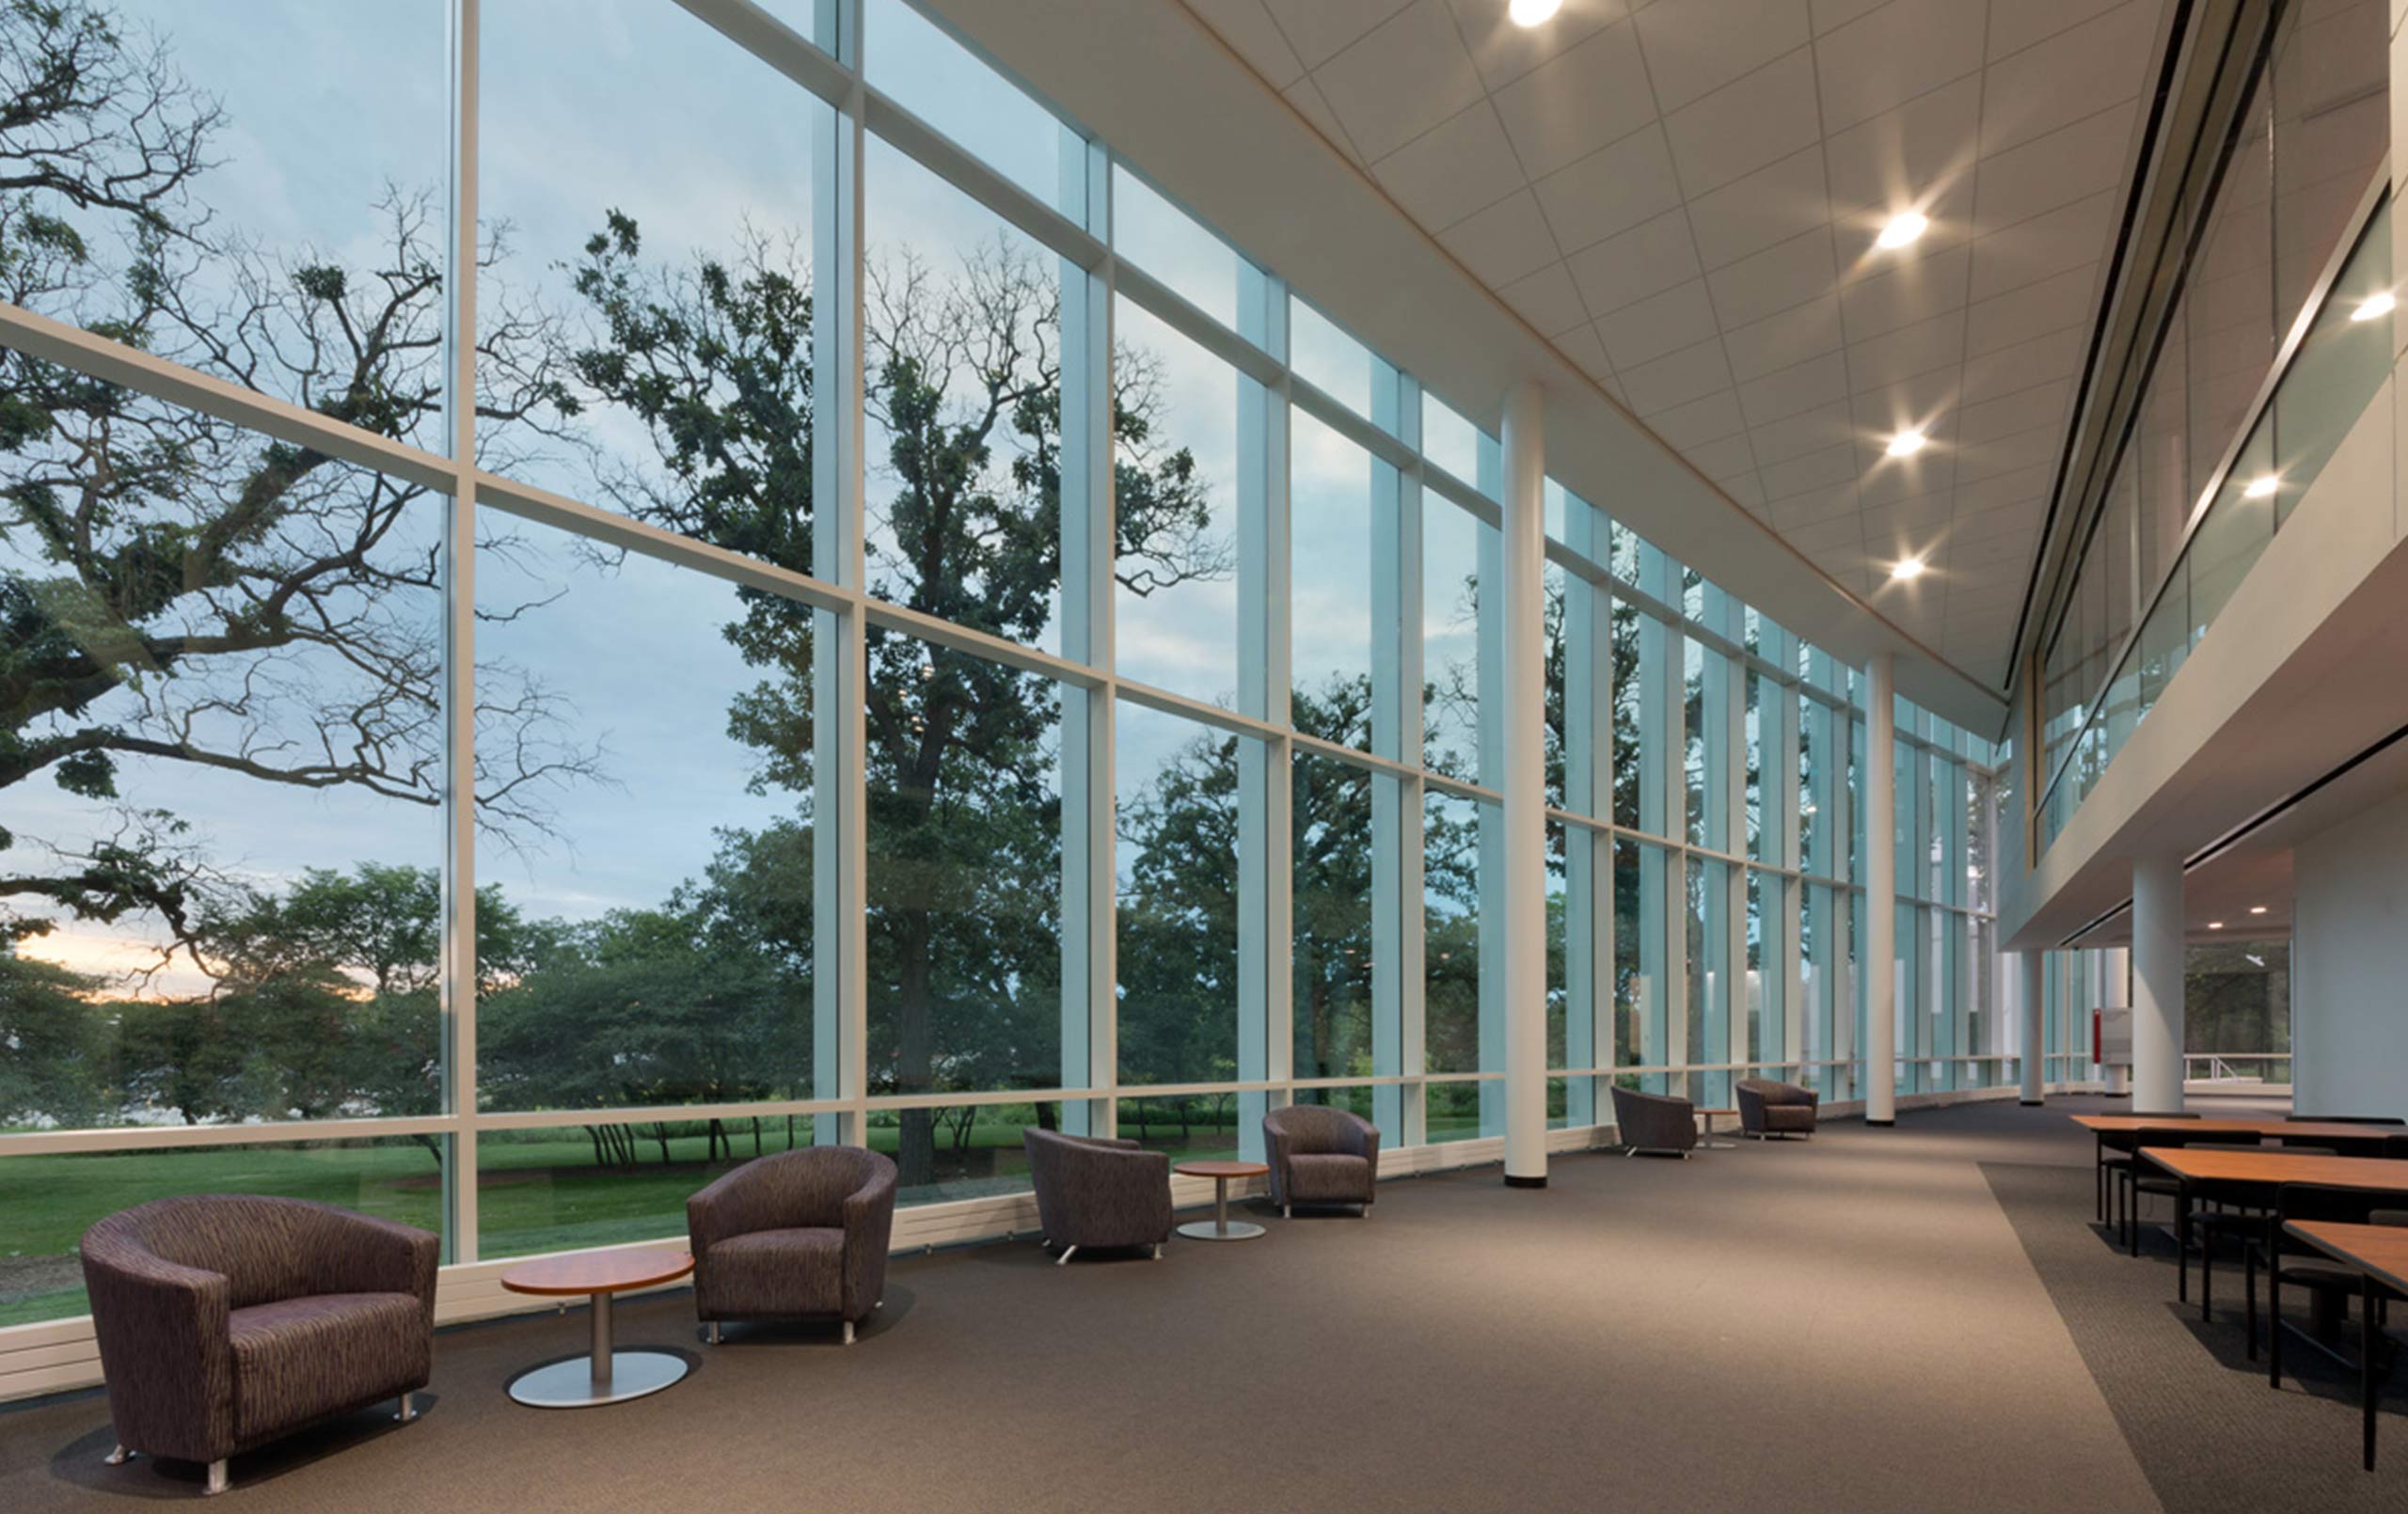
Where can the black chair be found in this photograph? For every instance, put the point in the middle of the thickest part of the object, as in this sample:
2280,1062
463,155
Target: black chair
2344,1119
2237,1211
2138,1184
2291,1260
2395,1148
2115,1155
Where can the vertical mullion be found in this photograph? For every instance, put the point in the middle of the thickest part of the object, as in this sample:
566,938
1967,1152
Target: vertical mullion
840,675
1490,612
1588,789
1266,1039
459,947
1396,735
1090,1031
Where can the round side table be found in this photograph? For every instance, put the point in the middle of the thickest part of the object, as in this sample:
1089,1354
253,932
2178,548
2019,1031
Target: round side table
605,1376
1221,1227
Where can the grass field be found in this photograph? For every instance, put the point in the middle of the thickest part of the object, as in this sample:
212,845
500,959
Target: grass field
537,1190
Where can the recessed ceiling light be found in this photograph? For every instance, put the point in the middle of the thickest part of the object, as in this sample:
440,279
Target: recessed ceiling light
2374,306
1906,443
2257,909
2215,924
2261,486
1533,12
1906,569
1903,228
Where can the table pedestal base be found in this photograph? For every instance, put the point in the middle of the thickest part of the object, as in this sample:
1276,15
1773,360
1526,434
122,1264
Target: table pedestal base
602,1376
1214,1230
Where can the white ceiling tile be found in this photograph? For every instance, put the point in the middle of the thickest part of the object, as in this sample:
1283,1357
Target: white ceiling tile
1745,125
1774,279
1768,206
1831,15
2067,165
2054,355
1593,93
1698,46
1813,431
1610,190
1588,354
2016,27
1405,78
1784,339
1319,29
2041,405
2043,246
1748,490
1903,157
1306,96
1814,505
1725,461
1504,241
2072,74
1646,260
1661,323
1691,373
1926,345
1795,390
1889,480
1547,300
1446,174
1253,36
2008,454
1700,421
1818,537
1887,57
2011,486
1925,402
2051,304
1914,292
1505,50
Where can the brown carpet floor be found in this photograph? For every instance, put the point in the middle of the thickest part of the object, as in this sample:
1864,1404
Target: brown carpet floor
1851,1323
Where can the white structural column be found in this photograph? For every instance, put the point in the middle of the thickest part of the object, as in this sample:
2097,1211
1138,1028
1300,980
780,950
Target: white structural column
1881,896
1524,785
2157,985
2029,969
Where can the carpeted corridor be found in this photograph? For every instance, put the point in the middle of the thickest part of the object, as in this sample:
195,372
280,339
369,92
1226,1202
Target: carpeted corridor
1911,1320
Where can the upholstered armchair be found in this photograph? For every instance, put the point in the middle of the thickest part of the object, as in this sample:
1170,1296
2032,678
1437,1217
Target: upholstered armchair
801,1235
1094,1193
1768,1109
226,1321
1654,1122
1319,1154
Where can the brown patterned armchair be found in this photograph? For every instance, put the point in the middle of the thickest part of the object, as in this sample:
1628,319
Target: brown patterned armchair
1768,1109
1095,1192
801,1235
1319,1154
226,1321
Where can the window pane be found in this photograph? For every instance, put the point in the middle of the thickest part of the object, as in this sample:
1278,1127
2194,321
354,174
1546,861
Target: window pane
657,952
1158,237
1329,359
969,1151
191,119
1176,593
1451,544
1178,862
569,1186
1191,1127
964,407
1331,825
941,81
219,899
964,836
52,1200
1450,932
1449,440
1452,1110
1330,506
648,187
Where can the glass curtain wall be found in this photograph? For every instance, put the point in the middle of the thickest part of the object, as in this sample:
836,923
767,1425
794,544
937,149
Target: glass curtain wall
871,626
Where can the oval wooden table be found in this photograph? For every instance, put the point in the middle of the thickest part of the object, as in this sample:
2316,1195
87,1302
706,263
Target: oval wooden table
605,1376
1220,1228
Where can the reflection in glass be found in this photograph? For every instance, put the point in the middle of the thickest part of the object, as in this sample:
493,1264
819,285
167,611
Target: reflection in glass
1331,851
1178,918
1174,592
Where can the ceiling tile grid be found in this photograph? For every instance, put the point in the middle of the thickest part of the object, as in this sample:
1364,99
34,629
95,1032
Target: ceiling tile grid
1683,195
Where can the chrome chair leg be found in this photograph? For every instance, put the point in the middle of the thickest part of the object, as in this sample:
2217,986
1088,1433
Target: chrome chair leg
408,1408
217,1479
1068,1252
1286,1211
118,1456
849,1333
1158,1251
714,1335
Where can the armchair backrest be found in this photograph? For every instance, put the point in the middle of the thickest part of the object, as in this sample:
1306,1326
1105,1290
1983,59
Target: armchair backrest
797,1188
1773,1092
1311,1129
267,1249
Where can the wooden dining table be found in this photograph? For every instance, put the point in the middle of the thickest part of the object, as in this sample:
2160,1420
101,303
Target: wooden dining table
2321,1131
2252,1177
2379,1254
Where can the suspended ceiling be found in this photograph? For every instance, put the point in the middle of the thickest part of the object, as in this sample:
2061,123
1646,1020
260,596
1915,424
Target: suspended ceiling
1683,198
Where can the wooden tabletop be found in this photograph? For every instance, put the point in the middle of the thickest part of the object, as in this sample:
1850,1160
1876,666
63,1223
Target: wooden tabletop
598,1271
1714,1111
2273,1167
2310,1129
1222,1169
2381,1249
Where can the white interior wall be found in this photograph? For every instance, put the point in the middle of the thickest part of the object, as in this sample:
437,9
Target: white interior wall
2349,961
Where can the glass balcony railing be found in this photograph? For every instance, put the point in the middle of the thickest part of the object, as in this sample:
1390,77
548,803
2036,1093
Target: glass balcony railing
2324,381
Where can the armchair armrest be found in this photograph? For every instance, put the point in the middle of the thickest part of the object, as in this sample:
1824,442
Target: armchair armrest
374,1255
164,1351
869,1233
725,1207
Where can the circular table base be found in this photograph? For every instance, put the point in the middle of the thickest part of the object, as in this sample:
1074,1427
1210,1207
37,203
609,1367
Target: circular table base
1206,1230
570,1384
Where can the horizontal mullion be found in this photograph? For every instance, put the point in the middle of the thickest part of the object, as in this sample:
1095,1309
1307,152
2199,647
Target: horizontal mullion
966,171
282,1132
938,1099
1189,320
923,626
637,1115
1342,419
1437,481
777,45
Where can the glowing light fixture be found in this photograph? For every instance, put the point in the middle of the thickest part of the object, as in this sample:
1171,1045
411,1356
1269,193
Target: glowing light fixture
1906,569
2261,486
1533,12
1902,228
2374,306
2257,909
2215,924
1906,443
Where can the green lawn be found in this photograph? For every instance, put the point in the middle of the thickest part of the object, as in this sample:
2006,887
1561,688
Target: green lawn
537,1190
